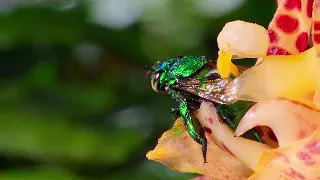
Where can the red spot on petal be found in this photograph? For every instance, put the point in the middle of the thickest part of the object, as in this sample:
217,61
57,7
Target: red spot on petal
272,36
212,106
301,134
298,116
301,42
209,120
316,38
286,23
186,137
282,156
208,130
277,51
291,4
305,158
295,174
272,136
279,154
313,147
309,8
316,25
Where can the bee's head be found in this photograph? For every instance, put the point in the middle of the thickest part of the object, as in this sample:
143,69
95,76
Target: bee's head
158,74
165,73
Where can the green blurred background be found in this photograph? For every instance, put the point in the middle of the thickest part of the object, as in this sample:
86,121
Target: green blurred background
74,102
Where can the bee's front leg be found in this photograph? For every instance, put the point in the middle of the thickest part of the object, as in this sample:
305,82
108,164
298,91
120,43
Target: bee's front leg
175,112
204,145
199,137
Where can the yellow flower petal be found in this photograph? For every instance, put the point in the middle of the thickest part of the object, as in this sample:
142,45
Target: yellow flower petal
294,77
179,152
299,160
174,150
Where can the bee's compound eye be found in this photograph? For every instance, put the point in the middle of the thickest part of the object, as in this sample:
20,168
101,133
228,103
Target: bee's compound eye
155,81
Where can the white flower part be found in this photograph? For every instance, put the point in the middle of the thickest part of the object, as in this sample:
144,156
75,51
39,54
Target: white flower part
224,136
244,39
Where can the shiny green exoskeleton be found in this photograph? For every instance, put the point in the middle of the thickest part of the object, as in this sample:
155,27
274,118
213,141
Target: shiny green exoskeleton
190,80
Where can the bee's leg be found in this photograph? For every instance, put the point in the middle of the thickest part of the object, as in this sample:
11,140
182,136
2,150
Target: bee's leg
175,113
204,145
187,120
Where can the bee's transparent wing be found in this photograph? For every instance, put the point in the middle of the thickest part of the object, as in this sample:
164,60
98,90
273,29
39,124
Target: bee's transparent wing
218,90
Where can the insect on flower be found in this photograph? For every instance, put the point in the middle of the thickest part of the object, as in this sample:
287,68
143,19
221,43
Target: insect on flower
191,79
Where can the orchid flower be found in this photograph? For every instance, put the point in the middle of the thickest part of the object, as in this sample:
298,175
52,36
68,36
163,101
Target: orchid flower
285,83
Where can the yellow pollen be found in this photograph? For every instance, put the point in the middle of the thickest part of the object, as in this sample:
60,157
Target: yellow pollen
225,66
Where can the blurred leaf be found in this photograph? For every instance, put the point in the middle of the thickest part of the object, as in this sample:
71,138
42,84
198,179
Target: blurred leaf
85,99
43,75
50,137
37,174
149,170
42,24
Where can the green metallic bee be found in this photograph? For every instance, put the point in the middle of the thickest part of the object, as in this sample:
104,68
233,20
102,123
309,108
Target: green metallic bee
192,79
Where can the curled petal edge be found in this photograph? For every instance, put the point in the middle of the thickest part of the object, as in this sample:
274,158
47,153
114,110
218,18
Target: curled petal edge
290,121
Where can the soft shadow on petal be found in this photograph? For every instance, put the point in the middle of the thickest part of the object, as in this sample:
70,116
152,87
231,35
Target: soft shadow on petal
299,160
179,152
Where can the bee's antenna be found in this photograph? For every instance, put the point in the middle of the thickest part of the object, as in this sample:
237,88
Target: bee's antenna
148,69
145,69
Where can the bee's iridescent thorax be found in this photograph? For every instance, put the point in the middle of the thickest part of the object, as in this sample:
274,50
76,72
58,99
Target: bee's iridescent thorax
167,72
